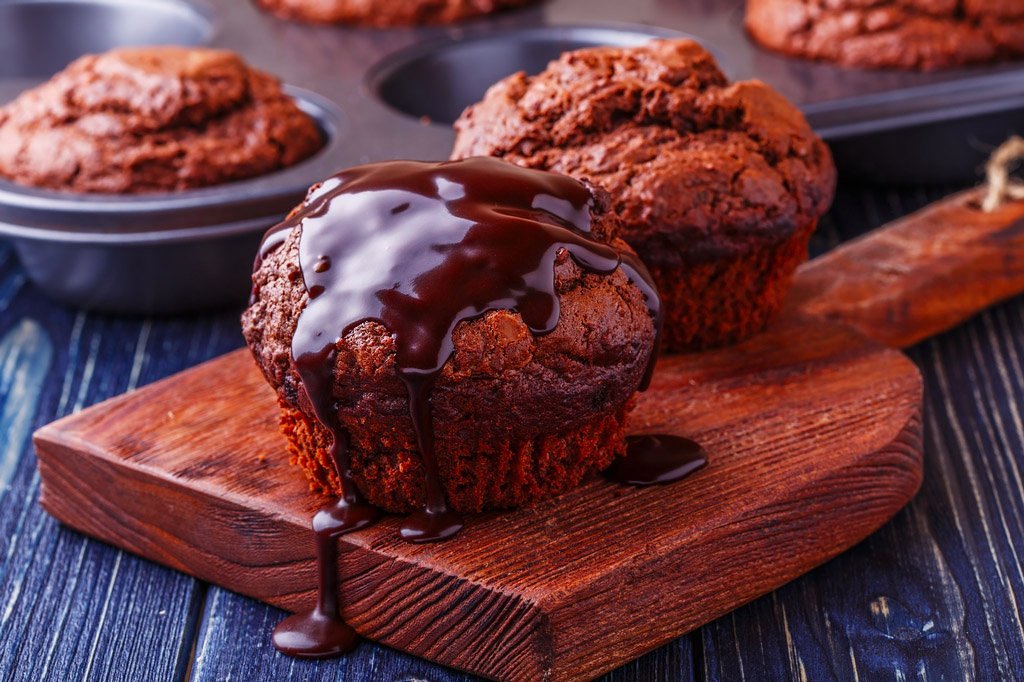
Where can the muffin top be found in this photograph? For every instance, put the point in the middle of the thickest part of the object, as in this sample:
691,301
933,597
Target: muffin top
911,34
152,119
691,161
383,13
508,285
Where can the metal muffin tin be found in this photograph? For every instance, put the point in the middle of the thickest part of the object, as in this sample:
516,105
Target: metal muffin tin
384,94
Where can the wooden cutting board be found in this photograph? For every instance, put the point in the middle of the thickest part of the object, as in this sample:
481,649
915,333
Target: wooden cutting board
813,432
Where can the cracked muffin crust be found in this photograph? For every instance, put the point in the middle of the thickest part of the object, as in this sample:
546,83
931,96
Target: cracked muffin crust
385,13
906,34
152,119
719,186
516,417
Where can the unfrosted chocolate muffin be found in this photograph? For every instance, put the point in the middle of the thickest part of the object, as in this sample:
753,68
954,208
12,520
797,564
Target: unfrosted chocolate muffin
152,119
719,186
906,34
384,13
498,299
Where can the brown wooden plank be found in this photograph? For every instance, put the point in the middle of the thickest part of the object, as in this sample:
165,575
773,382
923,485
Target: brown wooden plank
920,275
813,436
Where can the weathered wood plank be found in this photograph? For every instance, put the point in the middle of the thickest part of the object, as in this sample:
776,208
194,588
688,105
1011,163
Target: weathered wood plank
936,594
72,608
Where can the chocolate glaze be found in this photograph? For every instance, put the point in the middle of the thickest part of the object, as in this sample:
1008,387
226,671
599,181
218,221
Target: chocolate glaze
419,248
653,459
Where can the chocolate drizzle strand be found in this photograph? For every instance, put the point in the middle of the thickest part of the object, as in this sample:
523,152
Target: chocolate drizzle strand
322,632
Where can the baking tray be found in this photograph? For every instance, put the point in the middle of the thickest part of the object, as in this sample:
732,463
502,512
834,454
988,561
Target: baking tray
382,94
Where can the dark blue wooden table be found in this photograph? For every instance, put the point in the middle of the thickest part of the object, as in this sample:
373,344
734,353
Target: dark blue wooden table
935,594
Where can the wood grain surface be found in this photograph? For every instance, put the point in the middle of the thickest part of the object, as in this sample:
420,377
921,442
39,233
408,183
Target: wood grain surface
933,595
921,275
813,435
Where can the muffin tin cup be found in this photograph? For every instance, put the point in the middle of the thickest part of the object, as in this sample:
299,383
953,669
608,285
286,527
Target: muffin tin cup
436,81
166,272
387,94
159,253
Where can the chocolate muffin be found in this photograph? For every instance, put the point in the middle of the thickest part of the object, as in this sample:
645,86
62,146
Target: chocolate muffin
470,325
152,119
905,34
384,13
719,186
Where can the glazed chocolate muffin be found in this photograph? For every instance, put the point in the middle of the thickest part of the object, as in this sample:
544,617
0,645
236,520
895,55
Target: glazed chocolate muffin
719,186
497,298
905,34
384,13
152,119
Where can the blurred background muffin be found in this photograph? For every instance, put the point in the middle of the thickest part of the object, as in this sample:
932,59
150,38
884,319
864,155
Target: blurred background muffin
906,34
152,119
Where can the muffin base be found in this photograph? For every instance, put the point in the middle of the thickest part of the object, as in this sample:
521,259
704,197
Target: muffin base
480,473
724,301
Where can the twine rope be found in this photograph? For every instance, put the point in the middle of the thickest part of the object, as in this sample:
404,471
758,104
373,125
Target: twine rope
1000,186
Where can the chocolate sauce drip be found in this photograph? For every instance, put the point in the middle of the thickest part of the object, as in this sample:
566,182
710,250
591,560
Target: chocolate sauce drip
434,521
641,279
322,633
654,459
